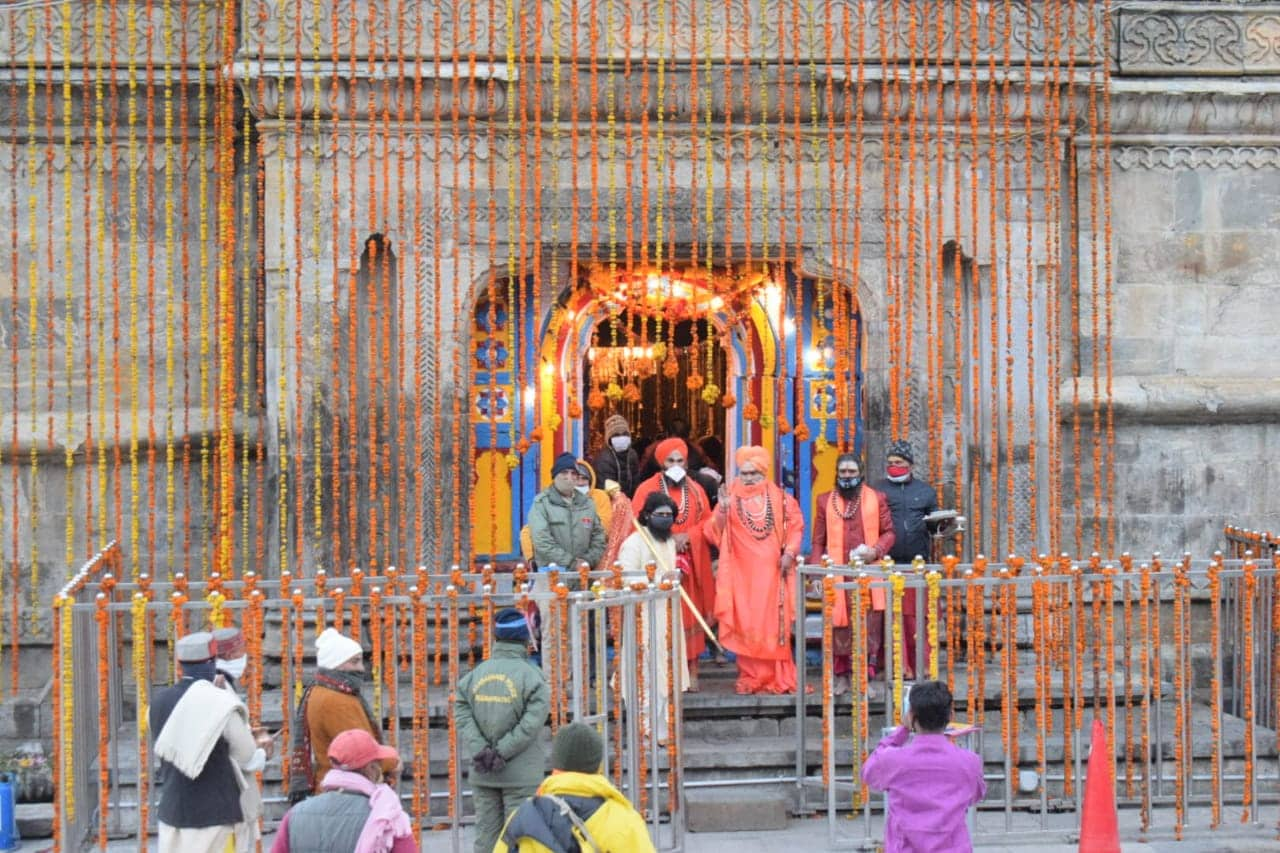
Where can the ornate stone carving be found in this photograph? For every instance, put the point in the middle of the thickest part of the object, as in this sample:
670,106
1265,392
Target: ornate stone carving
163,35
447,146
758,29
1197,157
1185,43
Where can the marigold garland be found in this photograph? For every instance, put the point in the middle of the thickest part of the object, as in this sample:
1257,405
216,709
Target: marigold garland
933,582
1213,575
1248,603
897,584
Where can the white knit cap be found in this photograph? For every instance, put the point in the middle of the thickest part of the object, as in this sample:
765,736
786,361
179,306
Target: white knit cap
334,649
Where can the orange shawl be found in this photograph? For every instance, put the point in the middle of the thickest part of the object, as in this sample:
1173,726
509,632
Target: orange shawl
870,513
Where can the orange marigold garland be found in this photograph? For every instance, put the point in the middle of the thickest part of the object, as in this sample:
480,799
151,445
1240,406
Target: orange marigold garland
421,708
1247,604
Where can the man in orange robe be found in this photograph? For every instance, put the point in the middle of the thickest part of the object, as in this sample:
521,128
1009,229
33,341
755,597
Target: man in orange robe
852,521
760,529
693,509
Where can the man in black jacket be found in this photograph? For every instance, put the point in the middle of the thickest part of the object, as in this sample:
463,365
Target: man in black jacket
910,500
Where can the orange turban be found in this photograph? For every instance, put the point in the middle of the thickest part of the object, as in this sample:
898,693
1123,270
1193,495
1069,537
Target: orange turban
757,456
668,446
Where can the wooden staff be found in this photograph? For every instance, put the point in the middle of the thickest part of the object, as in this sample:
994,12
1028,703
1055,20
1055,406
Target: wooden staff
684,596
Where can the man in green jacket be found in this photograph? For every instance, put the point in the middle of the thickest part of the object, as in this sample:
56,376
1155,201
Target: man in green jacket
501,709
564,524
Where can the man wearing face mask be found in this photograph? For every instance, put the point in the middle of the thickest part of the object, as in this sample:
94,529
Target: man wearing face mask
332,704
563,523
231,663
910,500
655,543
852,522
693,509
617,460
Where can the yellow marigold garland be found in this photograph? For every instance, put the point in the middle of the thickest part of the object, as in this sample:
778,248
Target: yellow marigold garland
933,580
898,583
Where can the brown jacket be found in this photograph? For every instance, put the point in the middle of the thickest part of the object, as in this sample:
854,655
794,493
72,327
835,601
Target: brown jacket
328,713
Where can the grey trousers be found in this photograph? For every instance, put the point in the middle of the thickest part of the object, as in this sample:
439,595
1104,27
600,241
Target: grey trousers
494,807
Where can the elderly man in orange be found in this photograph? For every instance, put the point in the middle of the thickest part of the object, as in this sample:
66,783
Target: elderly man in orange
760,529
693,551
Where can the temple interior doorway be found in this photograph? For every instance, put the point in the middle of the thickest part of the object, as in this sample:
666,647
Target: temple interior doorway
662,373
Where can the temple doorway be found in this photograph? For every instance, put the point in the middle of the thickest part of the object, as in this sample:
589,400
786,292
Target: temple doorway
664,377
724,355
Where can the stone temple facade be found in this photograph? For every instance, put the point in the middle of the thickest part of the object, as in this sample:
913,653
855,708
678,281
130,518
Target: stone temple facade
359,118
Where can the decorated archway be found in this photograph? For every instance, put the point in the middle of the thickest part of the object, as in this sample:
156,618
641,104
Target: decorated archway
774,360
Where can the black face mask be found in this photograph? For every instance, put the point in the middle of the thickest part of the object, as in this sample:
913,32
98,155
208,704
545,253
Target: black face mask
847,484
661,525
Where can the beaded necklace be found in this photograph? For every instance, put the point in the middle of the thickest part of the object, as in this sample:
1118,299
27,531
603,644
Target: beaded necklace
761,525
849,508
682,510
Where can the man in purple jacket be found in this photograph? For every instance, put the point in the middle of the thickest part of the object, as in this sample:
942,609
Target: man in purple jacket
929,781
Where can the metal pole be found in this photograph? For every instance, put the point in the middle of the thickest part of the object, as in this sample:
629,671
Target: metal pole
675,773
651,659
631,703
1076,603
800,641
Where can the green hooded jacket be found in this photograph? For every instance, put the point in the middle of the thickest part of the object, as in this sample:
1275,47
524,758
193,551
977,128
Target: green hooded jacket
504,703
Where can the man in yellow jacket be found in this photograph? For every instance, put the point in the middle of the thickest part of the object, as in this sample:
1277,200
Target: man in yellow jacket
576,808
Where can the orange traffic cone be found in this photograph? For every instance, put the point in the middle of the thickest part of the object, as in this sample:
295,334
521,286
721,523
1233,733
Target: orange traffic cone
1099,825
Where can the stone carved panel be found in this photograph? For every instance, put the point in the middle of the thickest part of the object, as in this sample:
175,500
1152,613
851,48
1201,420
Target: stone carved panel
447,146
1132,157
76,32
1154,41
679,29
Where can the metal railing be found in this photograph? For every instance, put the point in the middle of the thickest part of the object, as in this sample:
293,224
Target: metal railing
1164,654
114,648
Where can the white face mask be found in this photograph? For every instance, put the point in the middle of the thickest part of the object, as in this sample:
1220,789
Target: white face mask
675,473
234,667
902,479
583,489
620,443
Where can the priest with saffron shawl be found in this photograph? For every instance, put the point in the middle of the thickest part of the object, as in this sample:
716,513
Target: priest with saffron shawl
852,522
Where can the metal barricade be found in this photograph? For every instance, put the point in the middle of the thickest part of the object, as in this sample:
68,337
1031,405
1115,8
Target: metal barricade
423,632
1157,651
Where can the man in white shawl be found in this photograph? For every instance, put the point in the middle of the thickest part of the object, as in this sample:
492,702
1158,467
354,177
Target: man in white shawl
207,754
652,542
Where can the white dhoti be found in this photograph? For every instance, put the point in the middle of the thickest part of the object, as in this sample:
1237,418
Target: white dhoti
204,839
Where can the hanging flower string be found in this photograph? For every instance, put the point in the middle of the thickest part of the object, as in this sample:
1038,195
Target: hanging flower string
933,582
141,681
897,584
1249,591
